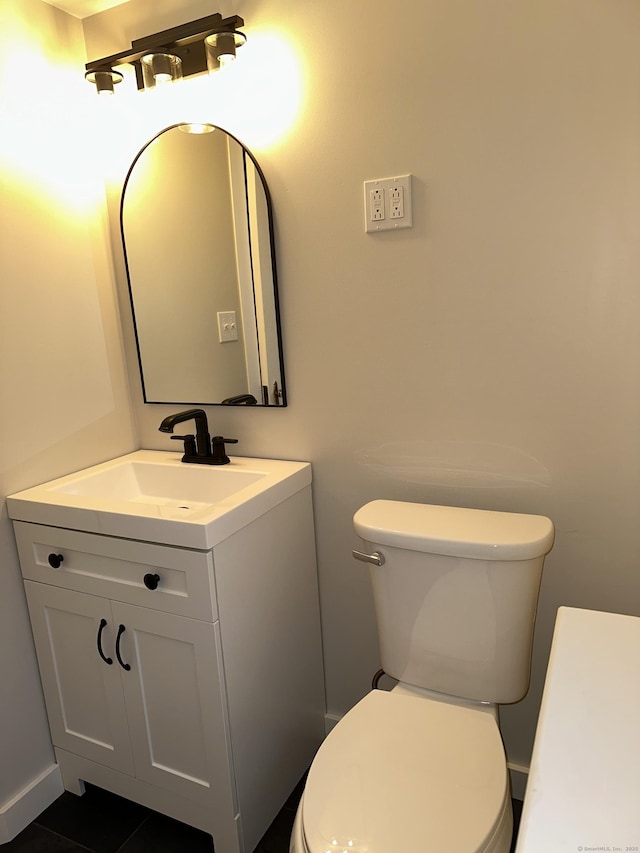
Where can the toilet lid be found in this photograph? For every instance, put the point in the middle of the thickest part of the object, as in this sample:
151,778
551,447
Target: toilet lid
400,773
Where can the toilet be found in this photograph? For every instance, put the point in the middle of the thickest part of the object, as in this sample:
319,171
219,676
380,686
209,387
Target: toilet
422,767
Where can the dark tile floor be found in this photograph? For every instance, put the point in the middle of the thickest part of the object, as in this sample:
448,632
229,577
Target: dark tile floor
100,822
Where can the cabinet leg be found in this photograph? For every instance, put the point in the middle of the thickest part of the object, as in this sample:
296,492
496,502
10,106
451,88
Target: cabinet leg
71,781
77,786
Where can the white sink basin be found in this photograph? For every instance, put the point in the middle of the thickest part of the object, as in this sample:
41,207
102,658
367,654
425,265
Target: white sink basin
152,495
185,487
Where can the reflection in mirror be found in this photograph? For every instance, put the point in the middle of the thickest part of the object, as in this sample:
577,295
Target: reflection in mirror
198,242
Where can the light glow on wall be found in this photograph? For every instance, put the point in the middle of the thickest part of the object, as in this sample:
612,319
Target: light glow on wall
61,141
258,99
261,98
46,135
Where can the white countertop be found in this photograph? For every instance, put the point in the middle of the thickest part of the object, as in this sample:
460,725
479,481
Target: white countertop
150,495
583,792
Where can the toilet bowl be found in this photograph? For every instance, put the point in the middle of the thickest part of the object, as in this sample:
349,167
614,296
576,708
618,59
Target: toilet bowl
422,768
407,773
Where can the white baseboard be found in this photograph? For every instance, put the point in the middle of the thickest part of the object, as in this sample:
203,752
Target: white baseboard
331,720
518,772
519,776
18,812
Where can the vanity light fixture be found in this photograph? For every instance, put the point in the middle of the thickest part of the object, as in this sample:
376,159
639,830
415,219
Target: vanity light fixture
196,128
203,45
221,48
160,68
104,80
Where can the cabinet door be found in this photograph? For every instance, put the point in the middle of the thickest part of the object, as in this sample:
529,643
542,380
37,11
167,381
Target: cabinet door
83,693
175,704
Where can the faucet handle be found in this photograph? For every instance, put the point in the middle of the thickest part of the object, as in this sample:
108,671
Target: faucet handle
218,452
189,443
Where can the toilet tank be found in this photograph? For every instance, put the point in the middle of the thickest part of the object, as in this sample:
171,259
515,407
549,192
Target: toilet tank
456,595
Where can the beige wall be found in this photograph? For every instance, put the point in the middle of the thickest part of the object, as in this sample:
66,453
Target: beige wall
63,392
490,356
487,357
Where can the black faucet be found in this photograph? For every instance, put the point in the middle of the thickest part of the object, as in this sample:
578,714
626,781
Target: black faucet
198,447
240,400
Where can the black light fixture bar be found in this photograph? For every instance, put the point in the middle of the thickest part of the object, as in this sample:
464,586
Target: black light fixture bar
185,41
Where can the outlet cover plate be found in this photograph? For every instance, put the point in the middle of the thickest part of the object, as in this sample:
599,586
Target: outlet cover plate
372,206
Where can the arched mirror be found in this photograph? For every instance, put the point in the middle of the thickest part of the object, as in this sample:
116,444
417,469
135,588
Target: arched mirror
198,241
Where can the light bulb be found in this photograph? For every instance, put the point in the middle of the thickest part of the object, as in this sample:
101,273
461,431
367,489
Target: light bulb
158,69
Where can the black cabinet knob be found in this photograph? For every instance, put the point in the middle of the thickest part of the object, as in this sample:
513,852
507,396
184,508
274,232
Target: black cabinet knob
151,581
55,560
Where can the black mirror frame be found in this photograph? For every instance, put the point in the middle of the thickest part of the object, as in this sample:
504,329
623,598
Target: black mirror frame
282,393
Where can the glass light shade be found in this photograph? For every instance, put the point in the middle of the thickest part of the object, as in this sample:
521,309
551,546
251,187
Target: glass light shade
104,80
221,48
160,68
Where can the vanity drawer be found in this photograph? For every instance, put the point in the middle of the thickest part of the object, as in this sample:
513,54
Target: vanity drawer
116,569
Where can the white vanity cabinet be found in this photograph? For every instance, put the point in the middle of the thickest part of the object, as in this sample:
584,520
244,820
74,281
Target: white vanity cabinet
189,681
129,687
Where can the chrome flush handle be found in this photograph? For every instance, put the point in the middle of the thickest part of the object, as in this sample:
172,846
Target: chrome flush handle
376,558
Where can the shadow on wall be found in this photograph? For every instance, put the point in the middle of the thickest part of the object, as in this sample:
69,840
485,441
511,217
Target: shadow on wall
469,464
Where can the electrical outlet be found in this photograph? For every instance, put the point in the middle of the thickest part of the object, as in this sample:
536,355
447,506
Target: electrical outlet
396,195
387,203
376,204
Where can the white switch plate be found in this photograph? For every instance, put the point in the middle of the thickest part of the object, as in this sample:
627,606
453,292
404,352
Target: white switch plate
227,326
390,197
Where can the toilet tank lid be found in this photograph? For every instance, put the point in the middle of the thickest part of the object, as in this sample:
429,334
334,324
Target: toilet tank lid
455,531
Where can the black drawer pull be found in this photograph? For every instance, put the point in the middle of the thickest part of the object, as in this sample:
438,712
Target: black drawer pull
103,623
151,581
124,665
55,560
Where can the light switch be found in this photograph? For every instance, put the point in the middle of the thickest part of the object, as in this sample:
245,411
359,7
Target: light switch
227,326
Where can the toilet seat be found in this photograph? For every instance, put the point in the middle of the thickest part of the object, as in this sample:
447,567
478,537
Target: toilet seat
401,773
